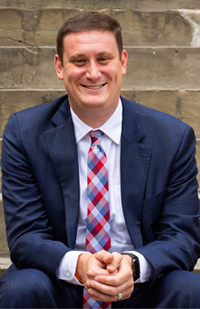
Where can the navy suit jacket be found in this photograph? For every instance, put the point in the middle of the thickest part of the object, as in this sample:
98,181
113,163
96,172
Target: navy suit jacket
158,184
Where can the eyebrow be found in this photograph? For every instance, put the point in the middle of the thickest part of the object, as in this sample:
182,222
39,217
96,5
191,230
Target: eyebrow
74,56
103,53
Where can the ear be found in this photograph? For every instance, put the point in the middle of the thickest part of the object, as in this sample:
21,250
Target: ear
58,66
124,59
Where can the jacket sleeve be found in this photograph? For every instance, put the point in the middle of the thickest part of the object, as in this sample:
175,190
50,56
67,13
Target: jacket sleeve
31,237
174,236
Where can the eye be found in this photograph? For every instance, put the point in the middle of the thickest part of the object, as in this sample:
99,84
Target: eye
79,62
103,60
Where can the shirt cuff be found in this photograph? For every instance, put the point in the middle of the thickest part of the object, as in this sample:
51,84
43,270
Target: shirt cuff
67,267
145,268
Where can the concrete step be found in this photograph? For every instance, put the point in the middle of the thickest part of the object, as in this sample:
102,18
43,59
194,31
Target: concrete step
3,243
148,68
4,263
38,27
96,4
183,104
12,101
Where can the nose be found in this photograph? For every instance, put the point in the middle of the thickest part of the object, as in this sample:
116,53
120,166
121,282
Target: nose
93,70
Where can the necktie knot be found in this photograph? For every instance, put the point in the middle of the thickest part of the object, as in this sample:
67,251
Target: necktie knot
96,137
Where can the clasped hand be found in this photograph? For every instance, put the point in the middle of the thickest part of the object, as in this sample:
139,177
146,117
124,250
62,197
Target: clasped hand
105,275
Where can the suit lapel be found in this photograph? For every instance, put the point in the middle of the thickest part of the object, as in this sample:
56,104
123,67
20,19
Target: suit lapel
63,153
135,158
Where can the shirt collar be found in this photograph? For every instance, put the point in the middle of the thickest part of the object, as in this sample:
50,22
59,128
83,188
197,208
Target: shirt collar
112,127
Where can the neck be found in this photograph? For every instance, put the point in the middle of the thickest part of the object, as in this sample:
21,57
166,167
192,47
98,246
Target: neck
96,121
95,118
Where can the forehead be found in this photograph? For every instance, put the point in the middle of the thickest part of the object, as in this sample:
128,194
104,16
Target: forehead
94,40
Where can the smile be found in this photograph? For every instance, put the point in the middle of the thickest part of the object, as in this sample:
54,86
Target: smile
94,87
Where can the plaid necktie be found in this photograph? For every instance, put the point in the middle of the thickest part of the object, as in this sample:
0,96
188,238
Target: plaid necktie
98,225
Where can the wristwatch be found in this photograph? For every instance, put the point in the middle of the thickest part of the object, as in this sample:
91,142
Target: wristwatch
135,265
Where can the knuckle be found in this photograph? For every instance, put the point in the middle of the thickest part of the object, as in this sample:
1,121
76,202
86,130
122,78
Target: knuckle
86,284
130,273
89,273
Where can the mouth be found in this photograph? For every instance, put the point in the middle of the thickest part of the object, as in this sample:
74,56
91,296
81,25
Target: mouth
94,87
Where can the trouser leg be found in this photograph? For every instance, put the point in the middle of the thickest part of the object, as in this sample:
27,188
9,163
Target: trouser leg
177,289
31,288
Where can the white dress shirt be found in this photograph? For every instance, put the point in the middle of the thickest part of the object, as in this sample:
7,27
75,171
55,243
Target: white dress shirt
120,239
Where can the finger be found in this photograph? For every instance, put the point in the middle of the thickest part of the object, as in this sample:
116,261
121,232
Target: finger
100,296
104,257
91,268
112,283
97,271
105,293
116,279
115,264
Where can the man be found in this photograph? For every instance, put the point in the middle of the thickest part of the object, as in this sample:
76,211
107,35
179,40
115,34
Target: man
153,209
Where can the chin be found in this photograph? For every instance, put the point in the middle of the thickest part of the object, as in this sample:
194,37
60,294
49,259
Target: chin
94,102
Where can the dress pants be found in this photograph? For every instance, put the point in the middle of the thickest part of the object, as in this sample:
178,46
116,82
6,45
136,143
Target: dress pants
31,288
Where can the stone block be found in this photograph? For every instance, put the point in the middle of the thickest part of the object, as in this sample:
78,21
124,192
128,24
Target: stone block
16,100
3,241
11,32
140,28
36,27
162,68
189,109
96,4
0,168
5,262
198,158
163,100
148,68
182,104
31,68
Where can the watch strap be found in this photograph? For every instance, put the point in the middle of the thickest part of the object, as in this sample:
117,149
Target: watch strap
135,265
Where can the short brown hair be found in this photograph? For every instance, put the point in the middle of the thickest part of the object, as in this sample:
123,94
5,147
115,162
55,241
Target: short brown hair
88,21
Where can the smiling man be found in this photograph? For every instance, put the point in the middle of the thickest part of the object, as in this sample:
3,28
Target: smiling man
91,67
100,193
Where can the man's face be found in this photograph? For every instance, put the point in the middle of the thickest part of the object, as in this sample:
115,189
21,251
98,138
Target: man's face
92,71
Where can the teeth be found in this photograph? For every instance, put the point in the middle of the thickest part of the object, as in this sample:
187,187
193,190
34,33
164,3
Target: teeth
94,87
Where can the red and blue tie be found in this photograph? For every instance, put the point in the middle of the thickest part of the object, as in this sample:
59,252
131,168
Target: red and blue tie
98,212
